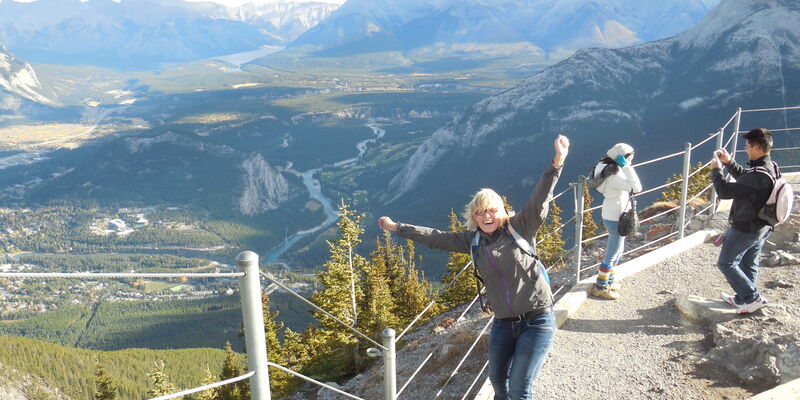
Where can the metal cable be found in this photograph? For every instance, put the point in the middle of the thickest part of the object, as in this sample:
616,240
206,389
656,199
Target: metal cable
590,209
784,129
590,267
472,347
312,380
786,148
411,378
659,159
733,117
660,214
660,187
698,194
651,243
292,292
711,136
455,278
77,275
602,235
772,109
206,387
556,230
463,313
562,192
474,381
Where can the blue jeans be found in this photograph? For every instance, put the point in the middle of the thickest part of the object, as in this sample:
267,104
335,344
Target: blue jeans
517,351
616,243
738,261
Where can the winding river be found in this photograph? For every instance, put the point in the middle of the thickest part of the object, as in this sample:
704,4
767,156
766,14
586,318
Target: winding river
315,191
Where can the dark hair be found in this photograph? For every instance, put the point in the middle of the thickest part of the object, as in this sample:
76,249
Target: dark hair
760,137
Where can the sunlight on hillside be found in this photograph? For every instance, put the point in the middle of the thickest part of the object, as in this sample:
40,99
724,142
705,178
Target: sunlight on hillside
49,136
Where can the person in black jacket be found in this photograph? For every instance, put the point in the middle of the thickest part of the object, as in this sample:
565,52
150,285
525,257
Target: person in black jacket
738,259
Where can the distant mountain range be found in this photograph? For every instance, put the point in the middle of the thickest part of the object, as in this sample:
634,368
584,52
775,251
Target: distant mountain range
364,26
654,96
133,34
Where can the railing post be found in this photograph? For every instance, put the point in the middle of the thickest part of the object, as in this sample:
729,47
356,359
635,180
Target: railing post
687,160
253,313
389,366
736,132
720,141
578,227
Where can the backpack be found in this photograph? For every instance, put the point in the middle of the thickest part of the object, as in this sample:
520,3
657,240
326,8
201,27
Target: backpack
594,180
781,198
523,244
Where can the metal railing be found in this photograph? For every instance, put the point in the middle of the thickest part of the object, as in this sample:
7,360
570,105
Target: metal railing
250,285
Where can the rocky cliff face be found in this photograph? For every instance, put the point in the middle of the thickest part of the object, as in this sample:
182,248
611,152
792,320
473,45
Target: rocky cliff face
264,187
18,83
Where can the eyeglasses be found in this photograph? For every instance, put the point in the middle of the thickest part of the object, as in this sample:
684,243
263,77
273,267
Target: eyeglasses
480,213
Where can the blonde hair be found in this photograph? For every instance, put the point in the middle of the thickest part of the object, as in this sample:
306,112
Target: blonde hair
483,199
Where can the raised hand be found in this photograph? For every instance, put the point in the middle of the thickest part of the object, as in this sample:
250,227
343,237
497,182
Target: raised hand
562,148
386,223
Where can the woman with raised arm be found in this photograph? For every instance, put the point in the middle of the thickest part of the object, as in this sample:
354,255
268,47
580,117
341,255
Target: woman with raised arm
517,285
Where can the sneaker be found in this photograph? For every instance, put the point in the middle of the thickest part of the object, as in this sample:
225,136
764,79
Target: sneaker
751,307
728,298
603,293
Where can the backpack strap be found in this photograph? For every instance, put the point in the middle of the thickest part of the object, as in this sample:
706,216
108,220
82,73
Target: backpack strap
525,246
473,253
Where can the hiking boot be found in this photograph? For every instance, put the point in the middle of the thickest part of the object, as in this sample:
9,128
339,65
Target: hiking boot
728,298
603,293
751,307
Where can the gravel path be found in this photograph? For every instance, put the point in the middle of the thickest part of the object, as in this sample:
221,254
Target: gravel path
640,346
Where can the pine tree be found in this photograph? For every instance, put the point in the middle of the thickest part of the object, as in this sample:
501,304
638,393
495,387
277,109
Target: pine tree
465,287
210,394
697,182
106,390
279,381
160,383
231,369
589,226
378,309
335,349
550,245
414,294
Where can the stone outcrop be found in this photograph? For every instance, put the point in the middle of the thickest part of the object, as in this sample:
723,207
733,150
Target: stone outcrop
264,187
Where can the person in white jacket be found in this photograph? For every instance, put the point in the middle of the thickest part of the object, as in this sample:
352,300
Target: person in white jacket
616,189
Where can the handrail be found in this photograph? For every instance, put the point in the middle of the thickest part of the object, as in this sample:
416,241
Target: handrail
205,387
733,117
773,109
413,375
660,214
658,159
78,275
318,308
455,278
710,136
469,351
474,381
312,380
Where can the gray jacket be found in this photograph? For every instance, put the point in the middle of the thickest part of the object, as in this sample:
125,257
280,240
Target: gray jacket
513,285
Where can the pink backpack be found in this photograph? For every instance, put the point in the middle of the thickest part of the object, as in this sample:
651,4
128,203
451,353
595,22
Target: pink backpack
781,199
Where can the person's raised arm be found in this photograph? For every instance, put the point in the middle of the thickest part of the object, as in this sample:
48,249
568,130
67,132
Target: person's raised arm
531,217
